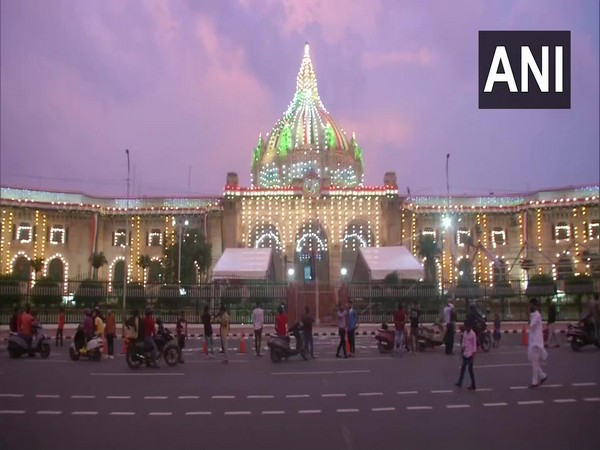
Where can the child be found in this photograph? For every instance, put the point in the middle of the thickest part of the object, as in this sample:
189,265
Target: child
497,332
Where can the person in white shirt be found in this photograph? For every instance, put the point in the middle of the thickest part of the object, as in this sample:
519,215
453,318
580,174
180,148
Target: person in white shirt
258,318
535,349
449,321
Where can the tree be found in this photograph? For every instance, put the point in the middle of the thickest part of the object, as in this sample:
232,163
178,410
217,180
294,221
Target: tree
196,257
428,251
144,262
98,260
37,264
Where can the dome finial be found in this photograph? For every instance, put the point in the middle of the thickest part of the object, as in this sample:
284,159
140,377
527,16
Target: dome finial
306,49
306,82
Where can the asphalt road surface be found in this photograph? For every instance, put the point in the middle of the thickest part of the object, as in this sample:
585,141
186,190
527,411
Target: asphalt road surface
368,402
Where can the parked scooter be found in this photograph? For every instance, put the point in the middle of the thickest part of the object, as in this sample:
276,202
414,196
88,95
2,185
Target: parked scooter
385,339
280,345
80,348
581,334
19,345
430,336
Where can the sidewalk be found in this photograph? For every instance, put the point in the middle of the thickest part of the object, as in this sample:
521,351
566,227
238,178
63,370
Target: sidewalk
197,330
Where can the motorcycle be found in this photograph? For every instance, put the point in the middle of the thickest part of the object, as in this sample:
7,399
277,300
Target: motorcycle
280,345
138,352
581,334
484,338
91,349
430,336
19,345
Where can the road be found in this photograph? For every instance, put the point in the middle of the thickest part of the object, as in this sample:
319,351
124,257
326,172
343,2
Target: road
367,402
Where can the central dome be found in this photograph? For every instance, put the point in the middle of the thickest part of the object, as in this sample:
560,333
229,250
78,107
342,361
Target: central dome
306,140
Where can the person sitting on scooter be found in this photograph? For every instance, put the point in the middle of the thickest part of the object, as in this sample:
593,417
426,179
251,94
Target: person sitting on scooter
88,324
149,333
79,338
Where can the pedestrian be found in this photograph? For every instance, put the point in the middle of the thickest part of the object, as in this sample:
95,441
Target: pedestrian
535,349
352,326
15,321
593,315
552,338
281,322
468,350
342,319
307,325
181,331
258,318
497,331
450,319
414,315
399,324
110,332
60,327
208,332
149,333
98,322
224,331
27,325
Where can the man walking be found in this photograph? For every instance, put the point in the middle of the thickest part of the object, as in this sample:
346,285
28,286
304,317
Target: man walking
258,318
208,332
110,332
352,324
281,321
551,324
414,314
307,325
468,347
181,330
536,350
399,323
449,320
341,322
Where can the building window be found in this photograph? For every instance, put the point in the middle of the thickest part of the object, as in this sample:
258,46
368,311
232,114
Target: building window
155,238
463,236
58,235
594,230
429,232
498,237
562,232
24,233
120,238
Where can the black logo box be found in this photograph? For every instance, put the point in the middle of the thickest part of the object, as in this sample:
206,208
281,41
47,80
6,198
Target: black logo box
500,97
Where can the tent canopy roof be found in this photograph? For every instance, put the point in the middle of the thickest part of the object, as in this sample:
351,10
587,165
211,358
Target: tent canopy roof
245,263
377,262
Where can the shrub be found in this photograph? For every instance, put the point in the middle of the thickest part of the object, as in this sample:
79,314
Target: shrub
46,292
90,293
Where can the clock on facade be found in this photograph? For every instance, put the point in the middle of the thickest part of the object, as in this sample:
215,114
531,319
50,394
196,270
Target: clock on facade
312,185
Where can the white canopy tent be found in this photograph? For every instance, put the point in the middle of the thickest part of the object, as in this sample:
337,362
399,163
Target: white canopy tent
245,264
375,263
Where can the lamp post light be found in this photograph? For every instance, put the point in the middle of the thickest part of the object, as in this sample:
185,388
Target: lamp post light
181,225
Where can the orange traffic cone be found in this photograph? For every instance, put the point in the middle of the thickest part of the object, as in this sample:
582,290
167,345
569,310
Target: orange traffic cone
242,344
205,348
525,337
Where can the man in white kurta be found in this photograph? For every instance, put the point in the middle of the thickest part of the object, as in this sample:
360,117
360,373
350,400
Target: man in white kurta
536,350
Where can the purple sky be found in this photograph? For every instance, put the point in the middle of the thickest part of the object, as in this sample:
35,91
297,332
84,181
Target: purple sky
193,84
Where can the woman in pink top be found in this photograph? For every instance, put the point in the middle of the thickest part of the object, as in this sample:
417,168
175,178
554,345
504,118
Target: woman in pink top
469,347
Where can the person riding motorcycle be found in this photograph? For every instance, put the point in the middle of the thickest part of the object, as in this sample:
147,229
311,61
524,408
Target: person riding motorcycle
149,334
475,319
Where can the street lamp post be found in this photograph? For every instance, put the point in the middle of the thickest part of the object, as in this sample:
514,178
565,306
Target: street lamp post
127,250
181,225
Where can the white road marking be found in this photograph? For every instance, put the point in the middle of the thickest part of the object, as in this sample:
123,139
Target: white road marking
323,372
332,395
531,402
238,413
347,410
591,399
418,408
260,396
518,387
457,406
47,396
353,371
309,411
160,413
122,413
297,396
114,374
118,397
564,400
12,395
83,396
496,404
583,384
484,389
271,413
188,397
370,394
156,397
494,366
385,408
198,413
49,413
546,386
84,413
12,411
442,391
223,397
407,392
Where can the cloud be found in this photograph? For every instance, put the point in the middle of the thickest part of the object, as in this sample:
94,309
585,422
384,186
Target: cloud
374,60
